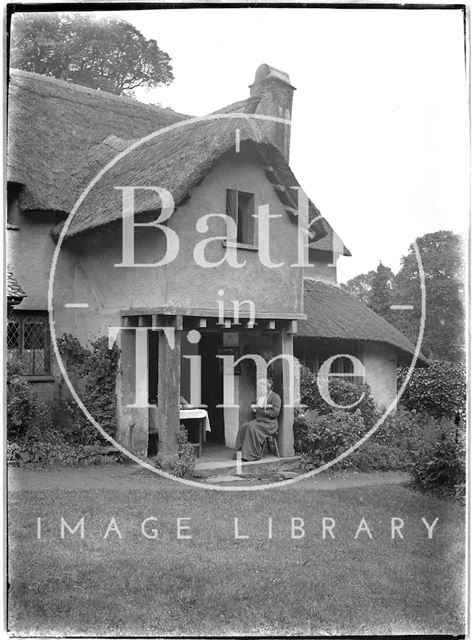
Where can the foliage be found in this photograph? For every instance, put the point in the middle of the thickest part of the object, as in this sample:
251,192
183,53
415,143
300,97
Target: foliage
443,263
342,393
360,286
395,445
439,389
25,411
58,453
380,297
440,468
97,367
322,437
408,430
104,53
372,456
442,257
182,464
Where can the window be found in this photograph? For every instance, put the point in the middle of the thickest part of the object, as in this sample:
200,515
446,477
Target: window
28,341
13,191
240,207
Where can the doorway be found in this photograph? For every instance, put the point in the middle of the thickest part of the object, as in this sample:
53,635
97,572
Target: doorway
212,383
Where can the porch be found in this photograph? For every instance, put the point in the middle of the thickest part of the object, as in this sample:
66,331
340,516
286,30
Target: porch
168,354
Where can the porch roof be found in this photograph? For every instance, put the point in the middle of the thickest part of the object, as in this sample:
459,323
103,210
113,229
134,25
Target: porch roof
335,314
15,293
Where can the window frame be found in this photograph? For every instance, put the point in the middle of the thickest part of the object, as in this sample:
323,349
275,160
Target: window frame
234,204
21,318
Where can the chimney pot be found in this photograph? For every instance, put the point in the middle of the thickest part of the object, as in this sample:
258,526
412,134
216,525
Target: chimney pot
273,87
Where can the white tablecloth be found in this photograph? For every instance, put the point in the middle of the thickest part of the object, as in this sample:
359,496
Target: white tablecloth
195,413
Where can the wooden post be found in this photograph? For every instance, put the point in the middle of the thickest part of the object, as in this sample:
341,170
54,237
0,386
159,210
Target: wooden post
168,395
284,346
133,421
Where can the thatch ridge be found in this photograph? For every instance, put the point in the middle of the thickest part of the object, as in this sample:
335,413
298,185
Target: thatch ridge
177,160
333,313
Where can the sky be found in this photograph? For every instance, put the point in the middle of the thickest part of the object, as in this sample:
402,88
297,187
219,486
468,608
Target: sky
379,121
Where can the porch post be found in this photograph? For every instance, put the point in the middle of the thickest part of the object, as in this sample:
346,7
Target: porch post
133,419
168,394
284,346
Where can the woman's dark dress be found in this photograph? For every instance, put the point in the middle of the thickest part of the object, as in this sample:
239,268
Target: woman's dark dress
252,434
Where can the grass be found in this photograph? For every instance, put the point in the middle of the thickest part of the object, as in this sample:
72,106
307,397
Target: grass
214,584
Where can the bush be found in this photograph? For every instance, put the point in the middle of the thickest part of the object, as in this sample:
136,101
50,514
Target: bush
25,411
372,456
342,393
410,431
97,368
58,453
439,389
322,437
440,468
183,464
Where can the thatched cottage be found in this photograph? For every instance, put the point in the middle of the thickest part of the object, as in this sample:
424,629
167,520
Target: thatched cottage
236,163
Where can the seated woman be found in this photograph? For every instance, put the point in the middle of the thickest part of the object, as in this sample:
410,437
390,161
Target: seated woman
252,434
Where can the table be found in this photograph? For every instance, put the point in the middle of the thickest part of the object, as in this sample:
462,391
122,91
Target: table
203,424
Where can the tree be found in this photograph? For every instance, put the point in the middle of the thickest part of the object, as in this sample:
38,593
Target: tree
360,286
107,53
443,263
380,297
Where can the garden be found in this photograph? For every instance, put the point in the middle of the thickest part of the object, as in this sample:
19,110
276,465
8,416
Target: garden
424,437
114,581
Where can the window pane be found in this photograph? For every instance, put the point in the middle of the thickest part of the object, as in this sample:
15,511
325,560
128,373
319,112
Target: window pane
245,217
13,339
35,356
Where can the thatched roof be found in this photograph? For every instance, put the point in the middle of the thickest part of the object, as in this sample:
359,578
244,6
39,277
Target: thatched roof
53,127
15,293
62,134
178,160
333,313
331,241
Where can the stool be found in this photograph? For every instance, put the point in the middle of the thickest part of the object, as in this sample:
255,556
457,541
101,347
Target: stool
271,442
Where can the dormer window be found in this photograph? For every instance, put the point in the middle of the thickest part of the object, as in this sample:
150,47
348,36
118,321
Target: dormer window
240,207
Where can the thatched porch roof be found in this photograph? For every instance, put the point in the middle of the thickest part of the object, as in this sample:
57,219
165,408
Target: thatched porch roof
15,293
335,314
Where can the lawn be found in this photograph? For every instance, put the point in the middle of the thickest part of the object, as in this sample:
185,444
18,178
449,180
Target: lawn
215,584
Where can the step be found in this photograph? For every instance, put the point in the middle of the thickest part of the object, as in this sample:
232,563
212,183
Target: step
231,464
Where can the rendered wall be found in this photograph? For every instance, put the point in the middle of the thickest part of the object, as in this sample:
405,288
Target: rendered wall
183,283
380,363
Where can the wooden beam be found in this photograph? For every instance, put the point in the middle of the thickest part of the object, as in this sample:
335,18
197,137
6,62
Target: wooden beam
210,313
292,326
168,394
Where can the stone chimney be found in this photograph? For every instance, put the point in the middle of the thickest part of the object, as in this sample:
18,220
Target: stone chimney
276,93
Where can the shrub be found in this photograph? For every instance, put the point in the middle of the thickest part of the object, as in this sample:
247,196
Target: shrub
342,392
25,411
372,456
97,368
322,437
408,430
49,454
182,464
439,389
440,468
